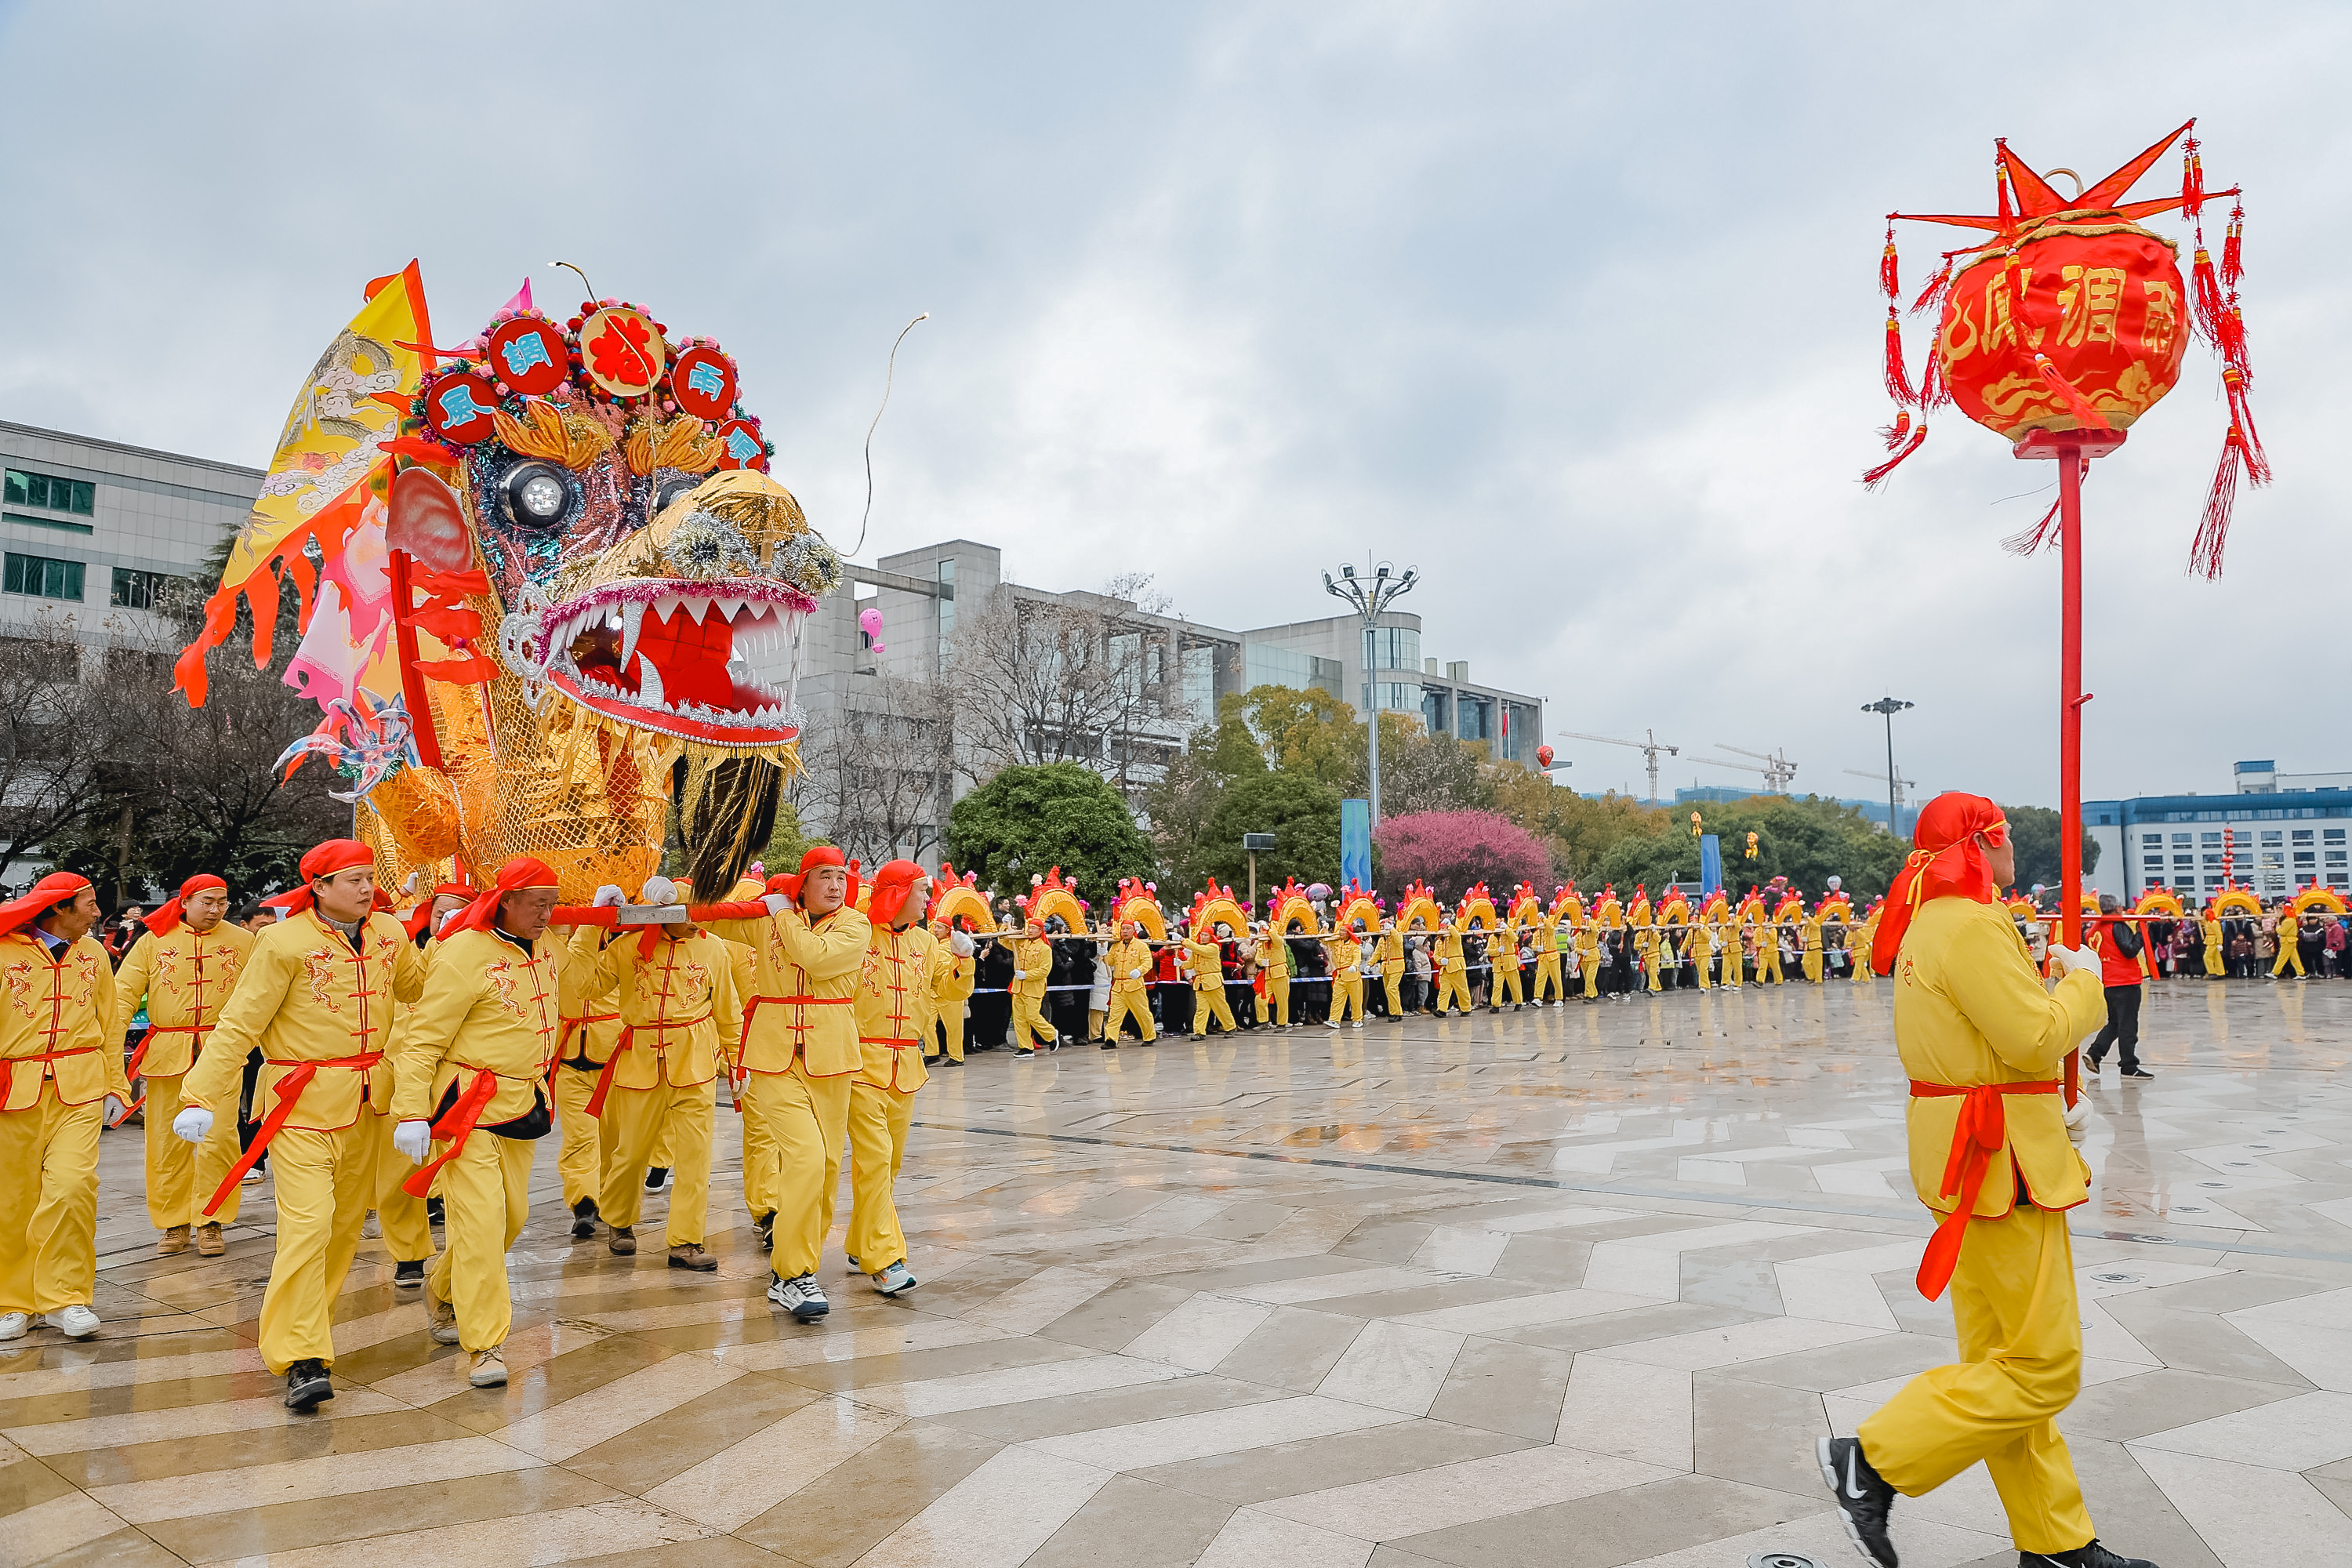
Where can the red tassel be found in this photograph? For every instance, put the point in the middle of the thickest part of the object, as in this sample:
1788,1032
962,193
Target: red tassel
1888,272
1893,435
2034,538
2213,529
2205,294
2193,180
1934,391
1898,376
2089,417
1937,287
2233,248
2234,340
2242,417
1872,479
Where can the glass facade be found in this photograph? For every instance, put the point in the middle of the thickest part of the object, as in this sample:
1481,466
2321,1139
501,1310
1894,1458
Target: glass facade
1263,664
1396,648
947,611
41,576
78,497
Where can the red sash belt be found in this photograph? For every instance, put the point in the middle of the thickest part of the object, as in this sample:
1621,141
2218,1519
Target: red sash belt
288,1089
457,1125
628,1038
8,1065
154,1030
1980,1133
737,1073
564,1039
907,1045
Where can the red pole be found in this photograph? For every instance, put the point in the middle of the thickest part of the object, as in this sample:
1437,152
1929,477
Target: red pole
2070,717
412,679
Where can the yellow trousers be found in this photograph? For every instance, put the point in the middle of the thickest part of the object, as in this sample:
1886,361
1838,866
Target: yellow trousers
484,1198
805,1121
1768,961
1346,992
48,1202
1591,976
1813,961
1657,965
1858,965
2290,952
587,1139
1278,997
1208,1005
2013,1303
1506,979
1392,982
1125,1005
951,1026
1548,974
1454,985
181,1176
677,1115
1029,1020
877,1146
2213,965
407,1231
325,1181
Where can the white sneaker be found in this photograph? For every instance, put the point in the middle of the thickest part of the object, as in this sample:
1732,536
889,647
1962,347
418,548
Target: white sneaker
13,1325
894,1281
77,1322
370,1228
253,1179
1358,1023
489,1370
801,1297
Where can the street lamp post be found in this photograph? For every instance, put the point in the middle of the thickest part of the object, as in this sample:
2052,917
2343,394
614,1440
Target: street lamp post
1370,596
1887,708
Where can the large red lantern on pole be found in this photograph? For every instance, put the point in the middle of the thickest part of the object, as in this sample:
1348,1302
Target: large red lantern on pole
2059,331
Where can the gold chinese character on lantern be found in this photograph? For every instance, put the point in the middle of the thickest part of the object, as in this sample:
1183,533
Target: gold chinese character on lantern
2162,321
2087,304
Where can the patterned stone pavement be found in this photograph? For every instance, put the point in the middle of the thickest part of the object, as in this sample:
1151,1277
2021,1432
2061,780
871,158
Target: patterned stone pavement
1571,1287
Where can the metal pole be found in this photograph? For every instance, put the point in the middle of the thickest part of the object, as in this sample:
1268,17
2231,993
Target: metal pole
1372,693
2070,719
1894,822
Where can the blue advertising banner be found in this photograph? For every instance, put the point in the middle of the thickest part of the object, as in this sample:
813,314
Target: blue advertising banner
1710,865
1356,842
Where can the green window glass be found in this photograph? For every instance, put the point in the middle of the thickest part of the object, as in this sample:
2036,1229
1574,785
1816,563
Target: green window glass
26,488
41,576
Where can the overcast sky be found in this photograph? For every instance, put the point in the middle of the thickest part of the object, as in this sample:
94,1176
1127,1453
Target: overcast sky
1572,307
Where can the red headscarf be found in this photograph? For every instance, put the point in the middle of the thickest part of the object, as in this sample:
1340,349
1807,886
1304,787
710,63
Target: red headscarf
166,918
891,885
56,887
516,875
335,854
1945,862
822,855
417,920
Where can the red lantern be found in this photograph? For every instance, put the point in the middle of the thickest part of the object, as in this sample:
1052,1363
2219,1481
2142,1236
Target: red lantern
1543,758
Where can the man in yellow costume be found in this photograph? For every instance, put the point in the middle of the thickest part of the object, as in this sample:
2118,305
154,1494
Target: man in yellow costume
1274,962
2288,934
799,1056
60,1079
1767,949
316,999
679,1018
1550,943
2209,926
1809,938
1348,976
1982,1041
1858,940
1503,953
183,969
1389,952
471,1078
1588,954
1130,961
954,969
1033,967
894,1015
1698,948
1452,970
1208,982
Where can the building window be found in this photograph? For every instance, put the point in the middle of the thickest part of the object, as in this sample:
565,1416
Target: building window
2306,879
2184,862
2213,839
2212,859
2156,863
76,496
2181,841
2339,878
140,590
1396,648
2332,835
41,576
947,609
2306,857
2273,835
2335,857
2152,840
2303,835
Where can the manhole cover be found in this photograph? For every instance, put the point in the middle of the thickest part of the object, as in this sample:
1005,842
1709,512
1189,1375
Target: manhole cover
2187,1208
2214,1184
2116,1279
1782,1560
2156,1240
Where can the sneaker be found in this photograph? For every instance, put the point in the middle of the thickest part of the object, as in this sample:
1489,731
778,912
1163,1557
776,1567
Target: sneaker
1023,1051
77,1322
656,1178
253,1179
801,1297
442,1320
408,1275
13,1325
2136,1072
307,1385
2094,1060
489,1369
689,1255
2089,1555
764,1226
1330,1023
955,1061
1110,1045
372,1227
623,1240
208,1240
1358,1023
894,1281
1863,1498
934,1061
583,1219
175,1240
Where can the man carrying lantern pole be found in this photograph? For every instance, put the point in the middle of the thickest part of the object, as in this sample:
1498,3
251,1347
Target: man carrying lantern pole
1983,1042
183,970
1130,961
316,999
893,1019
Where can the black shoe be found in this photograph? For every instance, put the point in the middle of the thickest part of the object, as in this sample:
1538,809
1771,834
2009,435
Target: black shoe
2092,1059
656,1176
2132,1072
307,1385
1110,1045
765,1228
2092,1555
955,1061
432,1211
1863,1498
583,1219
408,1275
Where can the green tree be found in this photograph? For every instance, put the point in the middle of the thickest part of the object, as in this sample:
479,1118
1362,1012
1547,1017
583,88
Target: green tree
1311,732
2034,830
1303,814
1029,818
1577,831
1808,840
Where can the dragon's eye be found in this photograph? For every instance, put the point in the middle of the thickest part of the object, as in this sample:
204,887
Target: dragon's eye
670,490
534,495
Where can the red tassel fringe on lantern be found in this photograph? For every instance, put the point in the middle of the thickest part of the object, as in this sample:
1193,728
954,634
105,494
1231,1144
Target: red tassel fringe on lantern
1888,269
1937,287
2034,538
2242,415
1898,375
2205,295
1893,435
2193,181
2233,251
1934,391
1873,477
2091,418
2213,530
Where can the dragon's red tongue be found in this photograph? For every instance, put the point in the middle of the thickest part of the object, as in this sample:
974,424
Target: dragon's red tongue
692,656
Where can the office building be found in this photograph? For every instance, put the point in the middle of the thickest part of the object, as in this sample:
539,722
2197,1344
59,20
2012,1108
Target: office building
2274,833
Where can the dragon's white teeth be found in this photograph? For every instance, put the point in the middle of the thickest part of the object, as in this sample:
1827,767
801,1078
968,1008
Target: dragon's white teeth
633,620
649,682
729,609
697,609
667,606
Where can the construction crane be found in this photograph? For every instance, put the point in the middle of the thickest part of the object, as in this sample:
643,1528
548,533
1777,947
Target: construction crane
1649,748
1896,786
1769,778
1778,770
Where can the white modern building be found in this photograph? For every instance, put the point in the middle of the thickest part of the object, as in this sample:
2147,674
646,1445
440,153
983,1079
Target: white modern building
2274,833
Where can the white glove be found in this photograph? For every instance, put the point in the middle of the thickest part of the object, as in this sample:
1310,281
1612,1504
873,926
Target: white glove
608,896
442,922
960,944
2078,1121
409,887
413,1138
659,890
2072,959
1135,974
194,1123
776,903
114,1110
1020,974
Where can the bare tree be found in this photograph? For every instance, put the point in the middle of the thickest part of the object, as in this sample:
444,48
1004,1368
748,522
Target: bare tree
1085,680
880,777
60,725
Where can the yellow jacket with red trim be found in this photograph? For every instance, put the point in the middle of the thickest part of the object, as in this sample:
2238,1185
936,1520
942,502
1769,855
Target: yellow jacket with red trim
185,978
68,1005
678,1005
894,1008
489,1003
1125,960
793,955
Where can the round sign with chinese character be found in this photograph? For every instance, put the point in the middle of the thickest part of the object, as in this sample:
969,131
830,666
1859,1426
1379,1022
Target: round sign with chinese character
741,446
703,383
528,356
622,351
459,406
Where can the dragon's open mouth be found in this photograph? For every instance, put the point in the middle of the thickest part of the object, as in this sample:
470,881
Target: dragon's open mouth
715,662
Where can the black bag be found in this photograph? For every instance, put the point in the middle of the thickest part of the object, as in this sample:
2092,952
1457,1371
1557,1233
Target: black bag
536,1122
